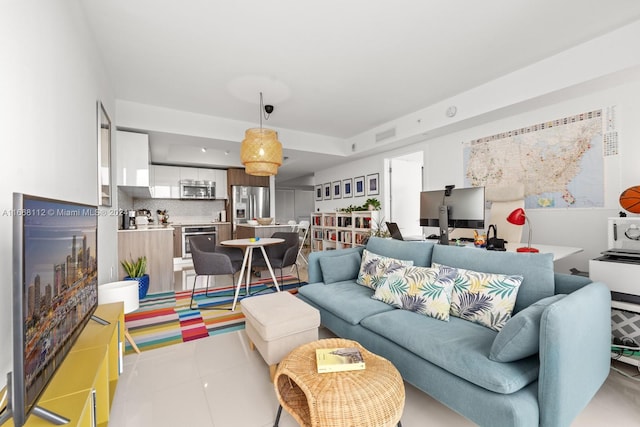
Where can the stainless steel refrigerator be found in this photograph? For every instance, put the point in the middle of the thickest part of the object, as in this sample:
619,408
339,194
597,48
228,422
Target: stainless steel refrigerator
248,203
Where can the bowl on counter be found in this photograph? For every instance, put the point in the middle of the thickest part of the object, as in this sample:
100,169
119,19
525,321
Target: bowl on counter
252,222
264,221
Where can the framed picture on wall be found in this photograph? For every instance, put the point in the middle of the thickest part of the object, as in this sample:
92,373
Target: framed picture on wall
373,184
358,184
337,190
347,188
327,191
318,192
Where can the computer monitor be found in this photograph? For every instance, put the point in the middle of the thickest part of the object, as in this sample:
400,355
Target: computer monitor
463,208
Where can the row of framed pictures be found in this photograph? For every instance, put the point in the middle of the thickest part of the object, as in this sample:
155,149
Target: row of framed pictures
350,187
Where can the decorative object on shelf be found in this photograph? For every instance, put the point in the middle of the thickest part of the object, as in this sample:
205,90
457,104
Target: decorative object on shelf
373,184
371,204
479,239
136,271
347,188
261,152
163,216
327,191
358,183
318,193
630,199
379,229
518,217
337,190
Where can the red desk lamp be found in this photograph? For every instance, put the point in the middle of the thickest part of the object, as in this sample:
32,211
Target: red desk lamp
518,217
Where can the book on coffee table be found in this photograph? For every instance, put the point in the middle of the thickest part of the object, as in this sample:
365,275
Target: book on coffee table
339,359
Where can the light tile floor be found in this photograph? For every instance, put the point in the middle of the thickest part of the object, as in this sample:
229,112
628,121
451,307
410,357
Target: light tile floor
219,382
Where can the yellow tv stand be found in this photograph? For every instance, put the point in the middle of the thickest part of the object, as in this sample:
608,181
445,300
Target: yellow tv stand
83,387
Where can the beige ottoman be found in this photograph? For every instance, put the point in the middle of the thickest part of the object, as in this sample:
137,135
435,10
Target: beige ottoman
277,323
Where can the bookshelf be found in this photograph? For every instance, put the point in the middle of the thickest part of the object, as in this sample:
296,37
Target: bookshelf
341,230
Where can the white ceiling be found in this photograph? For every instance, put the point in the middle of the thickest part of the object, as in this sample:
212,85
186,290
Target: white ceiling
331,67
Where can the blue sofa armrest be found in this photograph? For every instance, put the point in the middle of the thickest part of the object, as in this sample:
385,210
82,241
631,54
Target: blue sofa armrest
315,272
567,283
575,341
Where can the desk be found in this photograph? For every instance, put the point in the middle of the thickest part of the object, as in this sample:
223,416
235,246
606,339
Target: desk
248,247
559,252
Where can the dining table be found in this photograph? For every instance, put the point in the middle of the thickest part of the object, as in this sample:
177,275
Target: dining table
248,245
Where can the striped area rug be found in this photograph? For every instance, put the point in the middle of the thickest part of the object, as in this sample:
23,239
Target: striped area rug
165,318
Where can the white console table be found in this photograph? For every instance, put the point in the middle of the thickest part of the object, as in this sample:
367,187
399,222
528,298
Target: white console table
558,252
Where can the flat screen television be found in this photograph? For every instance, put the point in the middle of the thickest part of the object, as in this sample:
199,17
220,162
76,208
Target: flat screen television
55,292
463,208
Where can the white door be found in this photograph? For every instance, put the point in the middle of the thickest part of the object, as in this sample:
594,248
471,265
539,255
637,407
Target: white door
405,177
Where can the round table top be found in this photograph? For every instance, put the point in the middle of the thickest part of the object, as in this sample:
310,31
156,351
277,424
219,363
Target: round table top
262,241
345,398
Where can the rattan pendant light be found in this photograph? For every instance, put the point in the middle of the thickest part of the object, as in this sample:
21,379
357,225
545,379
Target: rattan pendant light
261,152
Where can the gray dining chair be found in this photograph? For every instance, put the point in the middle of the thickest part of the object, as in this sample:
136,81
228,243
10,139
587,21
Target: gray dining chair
283,254
211,260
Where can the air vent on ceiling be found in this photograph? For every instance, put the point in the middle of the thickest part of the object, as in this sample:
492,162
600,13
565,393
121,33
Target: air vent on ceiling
389,133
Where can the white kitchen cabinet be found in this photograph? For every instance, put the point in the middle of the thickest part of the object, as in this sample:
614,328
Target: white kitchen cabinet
206,174
188,173
133,159
166,182
221,183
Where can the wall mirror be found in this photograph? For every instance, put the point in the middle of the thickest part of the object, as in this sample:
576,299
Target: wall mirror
104,156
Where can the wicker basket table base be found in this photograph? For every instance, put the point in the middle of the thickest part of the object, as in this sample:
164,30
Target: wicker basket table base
373,397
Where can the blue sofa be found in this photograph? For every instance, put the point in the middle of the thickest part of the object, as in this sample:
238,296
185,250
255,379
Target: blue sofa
450,360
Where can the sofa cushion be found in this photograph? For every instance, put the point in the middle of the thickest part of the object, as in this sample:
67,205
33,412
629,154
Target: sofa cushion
417,289
346,300
484,298
340,268
535,268
520,336
315,273
457,346
374,268
417,251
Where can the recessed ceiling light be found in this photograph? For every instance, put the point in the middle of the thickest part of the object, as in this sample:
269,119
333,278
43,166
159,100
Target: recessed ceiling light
204,150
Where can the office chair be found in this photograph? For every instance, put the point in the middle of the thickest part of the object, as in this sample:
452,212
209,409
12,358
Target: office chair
211,260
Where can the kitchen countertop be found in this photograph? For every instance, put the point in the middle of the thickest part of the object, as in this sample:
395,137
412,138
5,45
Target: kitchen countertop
150,228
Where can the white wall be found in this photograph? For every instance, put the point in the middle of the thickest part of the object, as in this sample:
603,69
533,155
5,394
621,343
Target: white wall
50,80
585,228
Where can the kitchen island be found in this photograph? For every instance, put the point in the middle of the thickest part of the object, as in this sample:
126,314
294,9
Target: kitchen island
156,243
245,231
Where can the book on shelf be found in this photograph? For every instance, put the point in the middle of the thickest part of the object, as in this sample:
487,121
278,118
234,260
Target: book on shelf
339,359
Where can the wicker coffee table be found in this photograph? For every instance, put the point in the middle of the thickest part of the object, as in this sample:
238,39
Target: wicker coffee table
366,398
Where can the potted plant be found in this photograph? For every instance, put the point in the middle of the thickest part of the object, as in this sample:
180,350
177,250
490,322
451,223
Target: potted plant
372,204
136,271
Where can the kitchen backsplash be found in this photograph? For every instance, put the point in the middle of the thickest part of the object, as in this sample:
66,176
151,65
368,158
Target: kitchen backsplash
180,208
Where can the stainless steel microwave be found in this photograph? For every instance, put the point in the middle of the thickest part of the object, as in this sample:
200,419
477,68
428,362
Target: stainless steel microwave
192,189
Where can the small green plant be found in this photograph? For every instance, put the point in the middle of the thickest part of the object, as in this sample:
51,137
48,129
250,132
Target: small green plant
380,229
372,204
135,268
